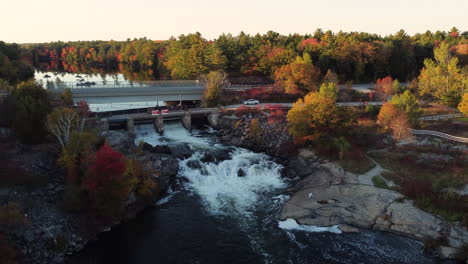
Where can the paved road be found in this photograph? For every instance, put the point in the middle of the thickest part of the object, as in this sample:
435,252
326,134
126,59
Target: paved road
350,104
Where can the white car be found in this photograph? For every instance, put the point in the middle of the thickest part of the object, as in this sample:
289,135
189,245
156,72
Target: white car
251,102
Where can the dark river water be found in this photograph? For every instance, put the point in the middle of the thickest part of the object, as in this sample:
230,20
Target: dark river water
213,216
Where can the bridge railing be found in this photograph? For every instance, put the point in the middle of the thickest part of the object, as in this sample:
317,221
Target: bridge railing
439,134
122,84
437,117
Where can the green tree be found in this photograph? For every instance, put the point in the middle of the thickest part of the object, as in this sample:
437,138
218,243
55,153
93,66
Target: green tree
32,107
12,68
67,97
191,56
214,82
342,145
317,118
463,106
396,87
329,89
443,78
408,103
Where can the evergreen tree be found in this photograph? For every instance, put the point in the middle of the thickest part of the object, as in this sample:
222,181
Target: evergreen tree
443,78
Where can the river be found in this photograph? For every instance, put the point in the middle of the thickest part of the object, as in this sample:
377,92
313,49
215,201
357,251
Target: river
217,214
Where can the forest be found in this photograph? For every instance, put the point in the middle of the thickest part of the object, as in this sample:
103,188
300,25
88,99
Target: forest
354,56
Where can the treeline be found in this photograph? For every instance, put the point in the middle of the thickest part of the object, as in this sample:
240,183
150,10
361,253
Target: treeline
12,68
354,56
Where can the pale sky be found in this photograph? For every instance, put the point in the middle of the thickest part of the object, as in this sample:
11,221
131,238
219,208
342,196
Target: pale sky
26,21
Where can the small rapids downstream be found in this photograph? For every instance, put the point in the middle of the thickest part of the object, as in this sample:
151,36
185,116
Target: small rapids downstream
223,209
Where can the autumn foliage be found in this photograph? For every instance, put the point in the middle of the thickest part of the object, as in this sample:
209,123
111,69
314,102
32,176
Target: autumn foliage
463,106
107,183
298,77
316,117
395,120
384,87
108,166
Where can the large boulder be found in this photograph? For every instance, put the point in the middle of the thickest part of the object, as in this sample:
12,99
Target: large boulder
168,171
120,140
332,196
181,151
162,149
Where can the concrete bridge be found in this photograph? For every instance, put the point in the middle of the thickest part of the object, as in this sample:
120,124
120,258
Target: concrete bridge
130,120
172,90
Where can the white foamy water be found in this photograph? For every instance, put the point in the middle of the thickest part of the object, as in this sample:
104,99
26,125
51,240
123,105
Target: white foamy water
168,197
223,190
174,133
231,186
291,224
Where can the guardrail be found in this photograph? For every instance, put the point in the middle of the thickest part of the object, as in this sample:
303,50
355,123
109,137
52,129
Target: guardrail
140,84
121,84
359,103
439,134
437,117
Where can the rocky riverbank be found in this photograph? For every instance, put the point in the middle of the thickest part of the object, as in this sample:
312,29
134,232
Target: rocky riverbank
270,137
50,233
331,196
327,195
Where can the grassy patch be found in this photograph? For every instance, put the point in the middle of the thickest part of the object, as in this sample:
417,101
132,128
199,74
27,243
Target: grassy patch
356,165
461,119
423,173
379,182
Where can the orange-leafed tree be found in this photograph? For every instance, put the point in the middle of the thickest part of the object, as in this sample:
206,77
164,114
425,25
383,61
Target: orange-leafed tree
395,120
400,127
298,77
463,106
384,87
316,117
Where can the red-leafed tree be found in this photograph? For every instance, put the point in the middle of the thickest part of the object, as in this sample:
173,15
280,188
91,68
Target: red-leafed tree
384,87
108,166
83,108
107,182
277,114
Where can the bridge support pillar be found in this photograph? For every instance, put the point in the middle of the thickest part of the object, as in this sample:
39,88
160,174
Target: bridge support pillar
104,124
130,124
213,119
159,124
187,121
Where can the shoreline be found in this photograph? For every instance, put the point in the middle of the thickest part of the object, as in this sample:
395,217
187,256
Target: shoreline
326,195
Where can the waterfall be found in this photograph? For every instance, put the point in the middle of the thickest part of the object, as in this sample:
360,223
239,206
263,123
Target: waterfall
231,186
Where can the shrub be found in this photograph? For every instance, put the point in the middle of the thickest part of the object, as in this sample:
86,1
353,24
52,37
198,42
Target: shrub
11,217
431,244
245,110
8,253
276,113
74,199
58,243
415,188
373,110
379,182
146,186
463,252
67,97
463,106
255,131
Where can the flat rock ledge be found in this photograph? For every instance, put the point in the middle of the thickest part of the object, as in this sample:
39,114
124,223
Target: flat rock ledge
331,196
